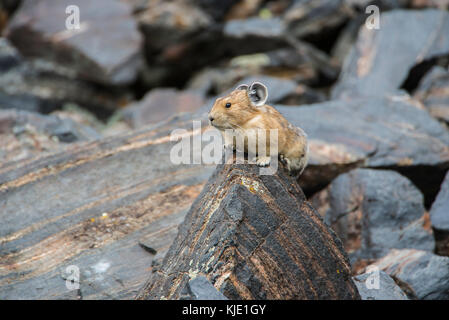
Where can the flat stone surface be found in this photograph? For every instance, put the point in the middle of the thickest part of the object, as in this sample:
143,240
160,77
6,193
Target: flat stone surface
105,49
420,274
392,132
90,207
373,211
381,59
387,289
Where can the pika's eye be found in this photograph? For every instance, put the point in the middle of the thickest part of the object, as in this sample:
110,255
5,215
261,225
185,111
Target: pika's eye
228,105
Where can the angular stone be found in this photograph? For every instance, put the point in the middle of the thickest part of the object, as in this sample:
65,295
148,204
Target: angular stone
391,132
420,274
105,49
43,86
92,204
387,290
160,104
254,237
373,211
433,92
200,288
439,217
27,134
381,59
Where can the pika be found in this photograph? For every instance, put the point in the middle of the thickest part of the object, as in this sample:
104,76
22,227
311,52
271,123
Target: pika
244,110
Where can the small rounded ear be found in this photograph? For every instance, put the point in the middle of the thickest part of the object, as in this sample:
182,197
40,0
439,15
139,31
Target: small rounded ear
242,87
258,94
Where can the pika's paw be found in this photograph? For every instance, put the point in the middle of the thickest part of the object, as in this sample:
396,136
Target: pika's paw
262,161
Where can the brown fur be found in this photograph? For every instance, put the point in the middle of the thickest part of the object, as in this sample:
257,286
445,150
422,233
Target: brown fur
243,115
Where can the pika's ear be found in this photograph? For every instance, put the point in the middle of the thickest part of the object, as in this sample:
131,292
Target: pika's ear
258,94
242,87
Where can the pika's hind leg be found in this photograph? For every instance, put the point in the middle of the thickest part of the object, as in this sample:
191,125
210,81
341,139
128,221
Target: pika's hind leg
295,165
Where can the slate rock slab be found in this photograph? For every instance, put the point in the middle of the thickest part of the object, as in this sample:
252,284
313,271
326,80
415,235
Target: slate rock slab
387,289
90,206
420,274
391,132
373,211
439,217
254,237
433,92
105,49
381,59
160,104
44,86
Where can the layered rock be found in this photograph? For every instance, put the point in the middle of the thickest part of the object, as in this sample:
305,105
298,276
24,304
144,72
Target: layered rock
254,237
379,63
104,48
420,274
373,211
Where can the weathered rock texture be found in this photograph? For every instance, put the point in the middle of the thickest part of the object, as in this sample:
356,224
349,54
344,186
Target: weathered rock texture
374,66
420,274
105,49
254,237
27,134
90,206
373,211
439,216
433,91
387,289
391,132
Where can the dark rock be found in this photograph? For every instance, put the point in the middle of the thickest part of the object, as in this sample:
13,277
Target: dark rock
254,35
254,237
387,290
106,48
373,211
310,17
160,104
379,63
92,204
216,8
200,288
166,24
439,217
43,86
420,274
391,133
433,92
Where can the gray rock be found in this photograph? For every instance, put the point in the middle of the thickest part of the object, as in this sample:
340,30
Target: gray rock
201,289
439,217
387,290
160,104
373,211
256,27
420,274
381,59
439,213
25,134
391,132
433,92
105,49
253,35
44,86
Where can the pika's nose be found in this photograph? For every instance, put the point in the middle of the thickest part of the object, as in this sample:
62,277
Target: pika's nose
211,118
